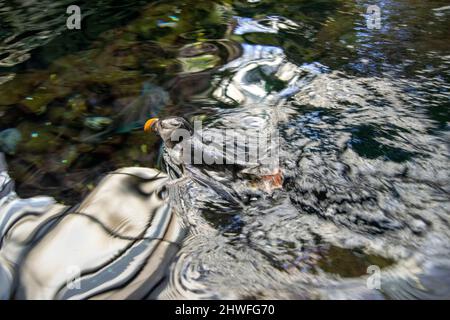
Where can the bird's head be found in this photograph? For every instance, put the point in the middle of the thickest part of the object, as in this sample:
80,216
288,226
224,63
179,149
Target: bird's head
172,130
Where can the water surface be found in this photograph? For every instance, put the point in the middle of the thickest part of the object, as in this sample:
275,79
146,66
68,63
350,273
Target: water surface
362,115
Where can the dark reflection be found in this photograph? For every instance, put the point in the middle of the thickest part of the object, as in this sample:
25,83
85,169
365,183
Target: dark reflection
350,263
365,144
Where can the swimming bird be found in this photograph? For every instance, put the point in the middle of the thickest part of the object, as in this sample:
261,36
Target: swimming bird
218,168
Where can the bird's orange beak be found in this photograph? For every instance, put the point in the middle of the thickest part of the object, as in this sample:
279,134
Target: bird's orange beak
149,124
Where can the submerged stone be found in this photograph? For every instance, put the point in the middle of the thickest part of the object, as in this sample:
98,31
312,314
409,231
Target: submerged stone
199,63
37,138
97,123
9,139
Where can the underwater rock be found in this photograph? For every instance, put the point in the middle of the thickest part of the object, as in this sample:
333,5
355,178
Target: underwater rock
199,63
9,139
77,104
198,57
198,48
37,138
37,103
97,123
15,90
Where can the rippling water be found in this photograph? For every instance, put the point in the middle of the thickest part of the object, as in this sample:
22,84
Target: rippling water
362,116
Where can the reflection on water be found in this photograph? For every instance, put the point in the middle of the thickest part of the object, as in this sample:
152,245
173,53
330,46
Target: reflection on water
362,116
